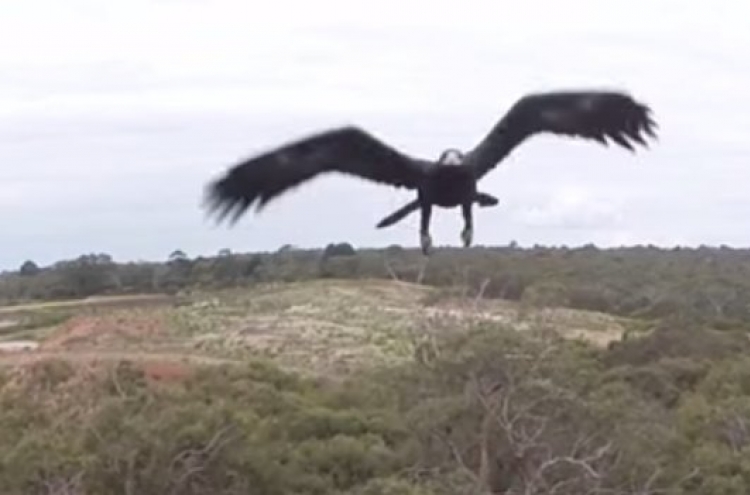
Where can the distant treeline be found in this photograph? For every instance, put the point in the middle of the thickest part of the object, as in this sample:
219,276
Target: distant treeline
702,284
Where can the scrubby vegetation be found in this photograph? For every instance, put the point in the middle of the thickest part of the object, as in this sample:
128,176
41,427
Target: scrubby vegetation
491,407
696,284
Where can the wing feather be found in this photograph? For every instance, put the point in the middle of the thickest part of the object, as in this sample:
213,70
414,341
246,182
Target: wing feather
595,115
348,150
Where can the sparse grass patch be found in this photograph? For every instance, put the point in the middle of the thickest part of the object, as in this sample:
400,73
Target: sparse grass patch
32,325
323,327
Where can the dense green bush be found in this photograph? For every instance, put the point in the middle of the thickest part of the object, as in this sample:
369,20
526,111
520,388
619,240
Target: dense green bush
250,429
496,411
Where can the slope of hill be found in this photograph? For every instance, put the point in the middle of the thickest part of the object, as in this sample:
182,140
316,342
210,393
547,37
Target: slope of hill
324,326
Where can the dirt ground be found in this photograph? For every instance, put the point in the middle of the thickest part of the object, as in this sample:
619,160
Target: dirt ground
117,328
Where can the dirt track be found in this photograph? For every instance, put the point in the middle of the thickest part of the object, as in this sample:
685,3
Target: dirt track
22,357
138,299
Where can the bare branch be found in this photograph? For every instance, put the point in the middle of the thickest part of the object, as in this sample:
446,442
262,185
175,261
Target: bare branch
422,270
482,288
64,486
195,461
456,455
390,270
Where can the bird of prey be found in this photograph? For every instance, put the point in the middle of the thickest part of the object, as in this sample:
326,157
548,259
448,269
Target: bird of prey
448,182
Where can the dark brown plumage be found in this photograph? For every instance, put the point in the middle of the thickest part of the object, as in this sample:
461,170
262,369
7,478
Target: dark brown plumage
448,182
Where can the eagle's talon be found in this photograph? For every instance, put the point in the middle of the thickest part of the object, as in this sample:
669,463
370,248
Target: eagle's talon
466,236
426,242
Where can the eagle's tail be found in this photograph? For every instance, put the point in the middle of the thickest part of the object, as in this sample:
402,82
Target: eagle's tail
399,214
485,200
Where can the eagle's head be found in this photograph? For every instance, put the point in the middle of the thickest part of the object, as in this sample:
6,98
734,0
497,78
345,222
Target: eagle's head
451,156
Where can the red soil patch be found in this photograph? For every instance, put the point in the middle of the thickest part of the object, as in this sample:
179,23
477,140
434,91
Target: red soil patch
113,327
166,371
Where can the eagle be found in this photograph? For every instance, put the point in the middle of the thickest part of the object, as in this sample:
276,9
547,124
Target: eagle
448,182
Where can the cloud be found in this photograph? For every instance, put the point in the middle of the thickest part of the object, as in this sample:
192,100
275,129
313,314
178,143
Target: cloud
570,208
112,122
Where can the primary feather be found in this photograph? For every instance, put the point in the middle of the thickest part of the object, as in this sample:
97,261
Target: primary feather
348,150
595,115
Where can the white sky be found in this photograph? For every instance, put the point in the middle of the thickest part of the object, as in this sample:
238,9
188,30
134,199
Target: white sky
114,115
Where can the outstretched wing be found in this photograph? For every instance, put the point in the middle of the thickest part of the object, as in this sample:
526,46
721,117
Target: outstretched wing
593,115
348,150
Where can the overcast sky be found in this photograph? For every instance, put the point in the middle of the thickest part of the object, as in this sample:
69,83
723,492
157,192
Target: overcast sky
114,115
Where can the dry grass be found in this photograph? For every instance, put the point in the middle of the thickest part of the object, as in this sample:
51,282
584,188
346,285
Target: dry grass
126,300
327,326
332,326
